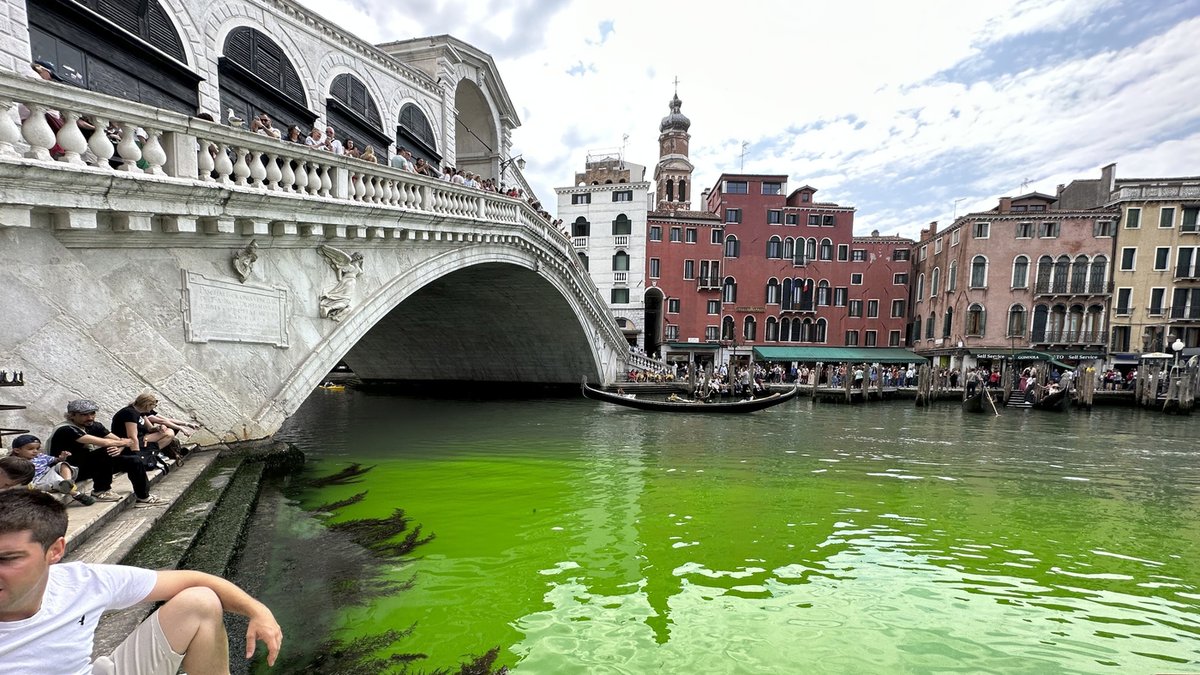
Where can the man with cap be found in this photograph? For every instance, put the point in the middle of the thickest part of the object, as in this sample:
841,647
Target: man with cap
100,453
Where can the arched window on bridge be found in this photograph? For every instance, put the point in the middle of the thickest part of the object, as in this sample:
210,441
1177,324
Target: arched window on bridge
126,48
352,113
414,132
256,76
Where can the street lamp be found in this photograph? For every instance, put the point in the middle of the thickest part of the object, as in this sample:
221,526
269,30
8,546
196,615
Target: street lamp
505,163
1177,345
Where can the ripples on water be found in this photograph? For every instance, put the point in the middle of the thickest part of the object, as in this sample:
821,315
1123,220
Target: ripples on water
585,538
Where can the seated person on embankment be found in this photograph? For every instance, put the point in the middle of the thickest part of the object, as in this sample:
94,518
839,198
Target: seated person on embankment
50,474
153,431
49,610
15,472
99,454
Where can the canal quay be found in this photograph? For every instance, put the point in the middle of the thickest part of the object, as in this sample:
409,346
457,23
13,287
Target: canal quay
377,273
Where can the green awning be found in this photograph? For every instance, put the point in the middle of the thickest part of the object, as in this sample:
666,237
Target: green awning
681,346
1024,355
839,354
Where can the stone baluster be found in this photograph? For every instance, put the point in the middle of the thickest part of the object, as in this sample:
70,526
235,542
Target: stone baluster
100,144
388,193
428,198
241,170
71,140
273,172
301,176
287,179
10,133
204,160
373,189
128,148
153,153
37,133
224,165
326,181
258,172
359,188
314,178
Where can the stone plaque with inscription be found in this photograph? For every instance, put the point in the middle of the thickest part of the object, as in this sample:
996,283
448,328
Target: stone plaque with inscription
214,309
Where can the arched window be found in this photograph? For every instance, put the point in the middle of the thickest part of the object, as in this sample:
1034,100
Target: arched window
413,132
952,280
682,190
1074,323
929,322
772,329
935,281
1040,317
826,249
805,286
729,290
620,262
785,330
799,330
1062,269
622,225
670,190
806,330
352,113
788,301
979,272
820,330
1056,323
773,291
789,248
948,322
1020,272
1016,321
1098,274
976,320
1044,272
749,329
581,227
727,328
774,247
920,286
252,74
732,246
1079,274
810,249
823,293
1093,325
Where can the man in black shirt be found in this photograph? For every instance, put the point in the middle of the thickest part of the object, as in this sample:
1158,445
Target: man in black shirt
99,453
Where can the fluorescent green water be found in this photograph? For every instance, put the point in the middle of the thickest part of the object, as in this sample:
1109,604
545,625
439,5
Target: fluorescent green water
583,538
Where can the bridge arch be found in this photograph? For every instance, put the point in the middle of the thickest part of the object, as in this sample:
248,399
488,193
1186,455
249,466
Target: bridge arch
545,339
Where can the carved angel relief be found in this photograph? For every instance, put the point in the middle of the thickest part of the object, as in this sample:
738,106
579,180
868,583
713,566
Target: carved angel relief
243,260
336,302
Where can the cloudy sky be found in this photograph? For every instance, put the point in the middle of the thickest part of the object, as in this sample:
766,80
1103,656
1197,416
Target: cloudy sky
909,111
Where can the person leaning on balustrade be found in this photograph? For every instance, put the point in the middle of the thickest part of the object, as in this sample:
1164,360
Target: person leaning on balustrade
368,155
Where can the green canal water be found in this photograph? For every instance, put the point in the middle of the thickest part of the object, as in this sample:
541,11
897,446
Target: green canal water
582,538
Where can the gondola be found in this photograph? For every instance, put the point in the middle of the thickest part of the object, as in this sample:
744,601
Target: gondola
974,402
685,406
1057,401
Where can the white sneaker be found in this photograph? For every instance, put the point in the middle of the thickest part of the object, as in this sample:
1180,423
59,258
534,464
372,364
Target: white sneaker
150,500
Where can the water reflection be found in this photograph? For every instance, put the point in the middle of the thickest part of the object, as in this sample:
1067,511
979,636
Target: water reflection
581,537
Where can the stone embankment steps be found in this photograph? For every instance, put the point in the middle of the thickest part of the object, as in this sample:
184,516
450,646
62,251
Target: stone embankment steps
201,527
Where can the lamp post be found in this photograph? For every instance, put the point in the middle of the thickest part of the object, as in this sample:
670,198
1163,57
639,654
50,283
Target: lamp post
505,163
1177,346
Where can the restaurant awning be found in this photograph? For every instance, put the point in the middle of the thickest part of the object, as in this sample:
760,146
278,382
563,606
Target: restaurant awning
693,345
1023,355
839,354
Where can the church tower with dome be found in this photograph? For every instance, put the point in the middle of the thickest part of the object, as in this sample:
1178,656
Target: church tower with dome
673,174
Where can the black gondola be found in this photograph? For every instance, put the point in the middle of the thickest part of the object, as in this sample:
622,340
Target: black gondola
1056,401
686,406
974,402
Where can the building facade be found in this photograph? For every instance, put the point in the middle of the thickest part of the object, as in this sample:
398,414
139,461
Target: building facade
1024,275
605,215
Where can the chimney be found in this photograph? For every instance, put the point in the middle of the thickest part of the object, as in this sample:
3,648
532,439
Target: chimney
1061,187
1005,204
874,233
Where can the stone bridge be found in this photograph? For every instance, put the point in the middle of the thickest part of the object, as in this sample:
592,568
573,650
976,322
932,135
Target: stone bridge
118,280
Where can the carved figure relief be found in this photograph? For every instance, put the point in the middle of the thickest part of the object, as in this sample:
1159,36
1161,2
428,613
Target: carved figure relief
243,260
336,301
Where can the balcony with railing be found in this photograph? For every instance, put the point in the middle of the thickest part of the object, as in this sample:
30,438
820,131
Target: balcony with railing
1188,271
708,283
1185,313
1065,336
580,243
620,277
621,240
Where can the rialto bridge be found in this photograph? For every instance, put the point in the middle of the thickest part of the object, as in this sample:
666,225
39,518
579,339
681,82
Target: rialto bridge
229,272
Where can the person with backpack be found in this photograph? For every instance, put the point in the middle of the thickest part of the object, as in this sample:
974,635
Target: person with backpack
99,453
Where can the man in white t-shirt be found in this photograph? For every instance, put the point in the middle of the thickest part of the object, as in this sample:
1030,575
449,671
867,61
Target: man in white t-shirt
49,612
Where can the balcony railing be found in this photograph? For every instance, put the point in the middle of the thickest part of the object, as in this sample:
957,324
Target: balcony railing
708,282
1068,337
580,243
621,240
620,277
1188,271
1185,313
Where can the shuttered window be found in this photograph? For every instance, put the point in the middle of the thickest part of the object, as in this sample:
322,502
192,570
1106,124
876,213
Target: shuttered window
145,19
352,93
258,54
413,121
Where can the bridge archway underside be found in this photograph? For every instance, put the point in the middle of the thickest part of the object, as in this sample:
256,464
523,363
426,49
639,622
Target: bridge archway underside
491,322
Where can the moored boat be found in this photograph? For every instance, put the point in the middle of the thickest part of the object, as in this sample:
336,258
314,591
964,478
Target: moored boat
1056,401
974,402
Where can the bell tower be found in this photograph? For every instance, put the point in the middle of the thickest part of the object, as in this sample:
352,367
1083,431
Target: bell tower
673,173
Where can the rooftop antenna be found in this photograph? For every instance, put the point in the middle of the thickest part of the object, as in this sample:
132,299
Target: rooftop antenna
956,201
745,144
1024,185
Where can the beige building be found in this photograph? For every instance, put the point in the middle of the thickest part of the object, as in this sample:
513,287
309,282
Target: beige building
1156,275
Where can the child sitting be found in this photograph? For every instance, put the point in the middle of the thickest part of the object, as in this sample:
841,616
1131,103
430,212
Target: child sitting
50,474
